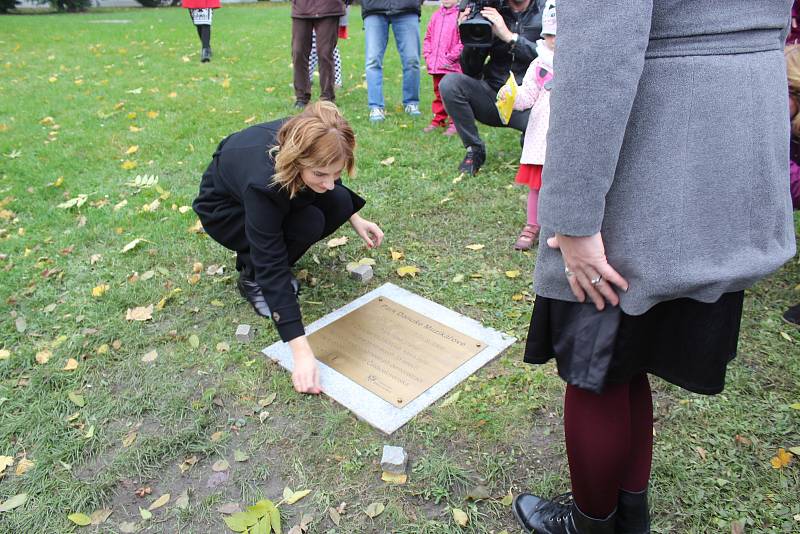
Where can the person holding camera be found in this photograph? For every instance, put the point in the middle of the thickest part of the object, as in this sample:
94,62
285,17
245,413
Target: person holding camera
515,27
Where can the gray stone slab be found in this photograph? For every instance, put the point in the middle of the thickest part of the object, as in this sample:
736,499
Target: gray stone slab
394,459
368,406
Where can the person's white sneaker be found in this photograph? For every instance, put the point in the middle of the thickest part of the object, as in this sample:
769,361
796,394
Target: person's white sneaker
376,115
413,110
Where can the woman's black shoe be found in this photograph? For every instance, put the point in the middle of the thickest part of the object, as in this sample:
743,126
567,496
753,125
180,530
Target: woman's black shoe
792,315
252,292
559,515
633,514
205,55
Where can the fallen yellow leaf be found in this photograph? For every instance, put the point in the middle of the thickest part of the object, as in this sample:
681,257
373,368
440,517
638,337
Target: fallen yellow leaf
99,290
512,274
460,517
337,242
475,246
23,466
396,254
139,313
158,503
128,165
132,149
43,356
226,83
150,356
250,119
134,129
5,461
5,354
409,270
152,114
782,459
71,365
388,161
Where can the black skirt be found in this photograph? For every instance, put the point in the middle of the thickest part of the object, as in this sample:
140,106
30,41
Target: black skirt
683,341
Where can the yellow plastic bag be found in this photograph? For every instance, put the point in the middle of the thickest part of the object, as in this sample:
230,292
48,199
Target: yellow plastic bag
506,98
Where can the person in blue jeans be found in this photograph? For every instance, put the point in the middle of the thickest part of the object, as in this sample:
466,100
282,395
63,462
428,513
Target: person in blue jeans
403,17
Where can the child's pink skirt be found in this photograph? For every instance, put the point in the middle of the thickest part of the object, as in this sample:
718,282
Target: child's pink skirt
530,175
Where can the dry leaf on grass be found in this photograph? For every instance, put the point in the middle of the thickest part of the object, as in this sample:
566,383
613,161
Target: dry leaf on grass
374,510
220,465
70,365
337,241
82,520
158,503
460,517
476,246
43,356
140,313
408,270
388,161
23,466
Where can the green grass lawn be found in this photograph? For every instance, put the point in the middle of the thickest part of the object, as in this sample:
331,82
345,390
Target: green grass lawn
86,105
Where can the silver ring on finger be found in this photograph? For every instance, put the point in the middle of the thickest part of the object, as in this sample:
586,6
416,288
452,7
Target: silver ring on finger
597,280
568,272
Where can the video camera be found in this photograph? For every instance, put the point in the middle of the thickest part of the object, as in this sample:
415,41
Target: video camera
476,31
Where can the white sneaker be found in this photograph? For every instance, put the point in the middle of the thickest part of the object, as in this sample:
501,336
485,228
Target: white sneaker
413,110
376,115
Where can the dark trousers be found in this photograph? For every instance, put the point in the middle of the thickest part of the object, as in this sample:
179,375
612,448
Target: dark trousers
467,100
301,228
327,30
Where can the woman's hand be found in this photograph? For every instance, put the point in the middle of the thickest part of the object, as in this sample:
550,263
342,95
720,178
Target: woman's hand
587,269
368,231
305,375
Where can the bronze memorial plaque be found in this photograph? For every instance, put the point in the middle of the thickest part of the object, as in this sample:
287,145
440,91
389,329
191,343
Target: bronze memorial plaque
391,350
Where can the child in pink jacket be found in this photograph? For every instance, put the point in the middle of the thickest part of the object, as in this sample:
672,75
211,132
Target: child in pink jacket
534,93
442,49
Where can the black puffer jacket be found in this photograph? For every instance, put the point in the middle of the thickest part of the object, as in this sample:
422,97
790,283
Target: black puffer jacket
390,7
504,57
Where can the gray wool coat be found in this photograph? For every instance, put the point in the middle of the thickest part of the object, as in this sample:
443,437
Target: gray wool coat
669,132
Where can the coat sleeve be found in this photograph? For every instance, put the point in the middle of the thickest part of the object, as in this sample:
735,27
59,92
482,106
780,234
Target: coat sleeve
529,91
593,92
472,60
264,216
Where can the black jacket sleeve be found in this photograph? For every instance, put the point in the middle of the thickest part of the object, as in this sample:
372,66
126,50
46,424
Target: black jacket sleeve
264,214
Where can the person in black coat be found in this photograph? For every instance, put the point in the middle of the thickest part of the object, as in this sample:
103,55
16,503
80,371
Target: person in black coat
270,192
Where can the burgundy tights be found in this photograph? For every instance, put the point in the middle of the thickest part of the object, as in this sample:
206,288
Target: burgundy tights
609,443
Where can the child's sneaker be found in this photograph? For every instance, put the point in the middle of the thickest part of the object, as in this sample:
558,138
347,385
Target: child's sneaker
377,115
451,130
528,237
413,110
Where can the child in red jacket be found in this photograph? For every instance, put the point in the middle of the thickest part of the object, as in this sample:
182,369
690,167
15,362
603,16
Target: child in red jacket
201,12
442,49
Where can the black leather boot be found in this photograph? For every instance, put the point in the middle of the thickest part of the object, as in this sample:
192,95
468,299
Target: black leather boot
633,514
559,515
205,55
252,292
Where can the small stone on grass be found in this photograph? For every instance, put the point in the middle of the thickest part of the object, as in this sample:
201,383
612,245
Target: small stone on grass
394,459
244,333
362,273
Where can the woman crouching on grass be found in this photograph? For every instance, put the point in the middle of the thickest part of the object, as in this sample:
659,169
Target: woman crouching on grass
270,192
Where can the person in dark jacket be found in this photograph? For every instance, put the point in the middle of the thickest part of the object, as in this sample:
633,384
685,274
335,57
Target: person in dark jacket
320,17
472,95
403,17
271,192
